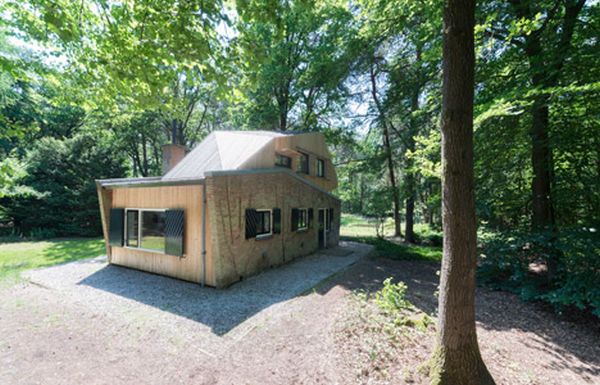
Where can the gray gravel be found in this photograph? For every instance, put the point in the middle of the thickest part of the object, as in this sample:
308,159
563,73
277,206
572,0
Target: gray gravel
213,318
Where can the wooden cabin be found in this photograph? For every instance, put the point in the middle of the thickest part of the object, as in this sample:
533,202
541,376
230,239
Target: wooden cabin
238,203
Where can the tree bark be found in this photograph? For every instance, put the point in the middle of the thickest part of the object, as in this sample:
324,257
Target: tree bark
457,359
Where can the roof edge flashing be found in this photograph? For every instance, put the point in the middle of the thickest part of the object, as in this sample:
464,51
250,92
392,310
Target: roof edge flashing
147,182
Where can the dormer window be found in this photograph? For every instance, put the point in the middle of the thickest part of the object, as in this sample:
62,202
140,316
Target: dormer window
303,163
283,161
321,168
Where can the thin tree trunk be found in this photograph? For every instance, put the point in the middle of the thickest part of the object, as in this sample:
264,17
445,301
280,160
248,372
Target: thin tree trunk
145,154
395,194
456,359
409,179
388,155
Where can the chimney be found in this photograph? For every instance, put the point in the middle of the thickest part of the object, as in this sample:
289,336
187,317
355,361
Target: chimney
172,154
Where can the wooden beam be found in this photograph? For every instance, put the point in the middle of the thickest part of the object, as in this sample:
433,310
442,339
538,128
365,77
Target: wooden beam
105,201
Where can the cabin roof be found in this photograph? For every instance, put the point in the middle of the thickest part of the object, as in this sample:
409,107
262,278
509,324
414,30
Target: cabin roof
221,150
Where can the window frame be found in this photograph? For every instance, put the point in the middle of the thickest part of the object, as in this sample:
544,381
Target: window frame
139,232
321,168
270,232
279,156
300,168
300,210
126,226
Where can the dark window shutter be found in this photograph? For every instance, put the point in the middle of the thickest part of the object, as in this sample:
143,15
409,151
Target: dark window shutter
276,221
174,223
251,220
310,217
294,219
116,227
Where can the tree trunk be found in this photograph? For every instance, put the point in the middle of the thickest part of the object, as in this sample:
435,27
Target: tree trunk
395,195
409,183
388,154
542,213
456,358
545,66
409,179
145,154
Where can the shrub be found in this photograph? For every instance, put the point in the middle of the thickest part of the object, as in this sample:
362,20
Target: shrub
519,263
392,297
61,198
428,236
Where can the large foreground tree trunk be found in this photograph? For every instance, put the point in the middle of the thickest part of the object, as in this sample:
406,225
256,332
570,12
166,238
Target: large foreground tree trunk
456,359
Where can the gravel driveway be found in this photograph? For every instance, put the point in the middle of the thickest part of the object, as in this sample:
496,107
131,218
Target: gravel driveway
89,323
215,318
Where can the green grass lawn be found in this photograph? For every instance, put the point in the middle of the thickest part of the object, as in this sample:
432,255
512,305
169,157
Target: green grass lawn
360,229
18,256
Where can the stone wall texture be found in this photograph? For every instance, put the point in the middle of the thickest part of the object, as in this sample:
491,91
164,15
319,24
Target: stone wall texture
229,196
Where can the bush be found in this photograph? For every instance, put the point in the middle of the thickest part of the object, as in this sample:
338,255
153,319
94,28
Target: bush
519,263
392,297
428,236
61,198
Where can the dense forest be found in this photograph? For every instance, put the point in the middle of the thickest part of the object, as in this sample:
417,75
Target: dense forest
92,89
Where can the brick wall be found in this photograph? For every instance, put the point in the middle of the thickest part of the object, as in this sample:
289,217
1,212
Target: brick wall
230,195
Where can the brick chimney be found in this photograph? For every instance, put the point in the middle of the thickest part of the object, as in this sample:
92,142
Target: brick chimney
172,154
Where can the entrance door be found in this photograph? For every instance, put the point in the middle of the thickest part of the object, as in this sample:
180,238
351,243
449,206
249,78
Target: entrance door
321,228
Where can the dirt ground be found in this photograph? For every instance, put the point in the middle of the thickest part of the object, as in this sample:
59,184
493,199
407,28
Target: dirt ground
54,336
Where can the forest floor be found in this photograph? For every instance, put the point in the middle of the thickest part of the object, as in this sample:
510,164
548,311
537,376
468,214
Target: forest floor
332,334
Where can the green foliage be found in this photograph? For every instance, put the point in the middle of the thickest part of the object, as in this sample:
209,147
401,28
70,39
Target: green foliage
62,173
293,61
562,269
392,297
19,256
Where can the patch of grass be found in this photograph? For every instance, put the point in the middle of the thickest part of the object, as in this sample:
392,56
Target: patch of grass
360,229
388,249
19,256
357,226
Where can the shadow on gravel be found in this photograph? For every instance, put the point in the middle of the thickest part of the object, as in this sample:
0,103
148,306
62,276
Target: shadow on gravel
496,310
224,309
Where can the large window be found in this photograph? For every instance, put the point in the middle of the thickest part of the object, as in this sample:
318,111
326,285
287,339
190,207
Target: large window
320,167
153,230
303,163
145,229
283,161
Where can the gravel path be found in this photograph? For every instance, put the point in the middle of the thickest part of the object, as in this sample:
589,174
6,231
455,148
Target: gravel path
89,323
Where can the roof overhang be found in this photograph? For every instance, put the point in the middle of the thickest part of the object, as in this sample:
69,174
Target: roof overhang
147,182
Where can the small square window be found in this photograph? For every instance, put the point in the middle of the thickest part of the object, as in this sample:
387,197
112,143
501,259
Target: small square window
321,168
302,219
283,161
263,222
303,163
